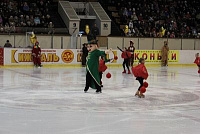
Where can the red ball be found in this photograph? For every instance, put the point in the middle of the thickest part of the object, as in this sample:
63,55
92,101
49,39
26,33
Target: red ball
108,75
115,57
199,71
145,84
142,89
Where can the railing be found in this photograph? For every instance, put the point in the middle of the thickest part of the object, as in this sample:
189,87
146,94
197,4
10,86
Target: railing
37,30
64,41
150,43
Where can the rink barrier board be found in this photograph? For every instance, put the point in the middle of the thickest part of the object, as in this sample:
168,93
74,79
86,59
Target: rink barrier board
117,66
15,57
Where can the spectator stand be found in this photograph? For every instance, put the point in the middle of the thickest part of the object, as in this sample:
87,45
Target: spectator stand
180,19
15,16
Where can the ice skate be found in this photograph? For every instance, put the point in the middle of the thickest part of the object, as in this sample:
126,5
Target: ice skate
85,90
129,72
142,95
137,94
98,92
124,72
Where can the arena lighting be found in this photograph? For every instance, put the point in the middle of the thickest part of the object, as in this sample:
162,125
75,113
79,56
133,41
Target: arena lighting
81,32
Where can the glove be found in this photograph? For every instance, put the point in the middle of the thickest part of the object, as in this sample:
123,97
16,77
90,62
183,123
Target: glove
108,51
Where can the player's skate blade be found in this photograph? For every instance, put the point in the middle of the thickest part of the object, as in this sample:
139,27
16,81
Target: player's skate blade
85,91
98,92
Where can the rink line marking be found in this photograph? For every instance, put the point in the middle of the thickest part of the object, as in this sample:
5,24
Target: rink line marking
109,65
97,126
114,111
169,108
33,76
57,83
77,108
187,117
46,66
127,117
36,76
121,120
106,107
24,73
131,97
173,72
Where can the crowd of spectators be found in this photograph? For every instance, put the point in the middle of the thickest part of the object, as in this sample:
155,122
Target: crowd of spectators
159,18
24,13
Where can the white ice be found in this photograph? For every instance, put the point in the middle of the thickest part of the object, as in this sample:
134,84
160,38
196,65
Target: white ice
51,101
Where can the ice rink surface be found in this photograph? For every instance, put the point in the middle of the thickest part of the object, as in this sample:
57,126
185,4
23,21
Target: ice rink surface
51,101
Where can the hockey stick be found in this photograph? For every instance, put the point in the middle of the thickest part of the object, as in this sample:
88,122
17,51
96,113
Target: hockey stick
120,49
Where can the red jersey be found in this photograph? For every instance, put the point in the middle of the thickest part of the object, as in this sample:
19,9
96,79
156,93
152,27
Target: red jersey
36,50
102,66
140,71
126,55
197,61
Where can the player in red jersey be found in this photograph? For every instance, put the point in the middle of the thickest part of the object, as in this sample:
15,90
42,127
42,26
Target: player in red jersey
197,61
140,72
126,56
36,53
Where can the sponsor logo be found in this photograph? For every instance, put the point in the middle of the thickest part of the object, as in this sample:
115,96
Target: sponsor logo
26,56
155,55
67,56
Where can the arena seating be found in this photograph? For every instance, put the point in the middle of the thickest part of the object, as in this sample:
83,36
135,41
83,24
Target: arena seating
145,18
156,18
17,15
